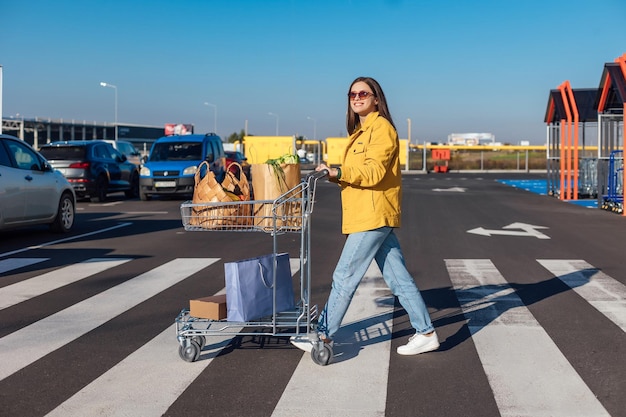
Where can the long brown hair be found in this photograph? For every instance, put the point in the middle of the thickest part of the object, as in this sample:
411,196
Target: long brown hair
352,119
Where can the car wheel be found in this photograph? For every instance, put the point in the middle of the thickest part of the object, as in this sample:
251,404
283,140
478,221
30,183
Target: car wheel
143,196
100,195
64,219
134,187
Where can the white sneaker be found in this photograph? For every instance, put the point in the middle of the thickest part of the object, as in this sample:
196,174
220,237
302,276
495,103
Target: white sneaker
419,343
302,342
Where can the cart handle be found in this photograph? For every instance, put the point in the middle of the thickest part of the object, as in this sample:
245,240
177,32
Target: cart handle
317,174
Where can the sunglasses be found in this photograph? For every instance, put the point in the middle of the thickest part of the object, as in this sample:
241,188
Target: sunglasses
361,94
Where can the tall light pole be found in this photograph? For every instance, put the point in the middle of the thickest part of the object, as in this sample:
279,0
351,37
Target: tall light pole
314,126
214,116
276,116
103,84
0,99
408,144
409,131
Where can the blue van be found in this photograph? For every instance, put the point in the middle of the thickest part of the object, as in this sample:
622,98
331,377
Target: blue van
170,169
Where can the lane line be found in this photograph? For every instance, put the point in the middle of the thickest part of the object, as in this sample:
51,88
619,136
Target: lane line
154,373
11,264
41,284
527,372
67,239
145,383
604,293
355,383
17,349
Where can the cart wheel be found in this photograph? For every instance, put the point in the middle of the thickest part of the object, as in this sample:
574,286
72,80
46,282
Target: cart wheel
200,340
190,351
322,356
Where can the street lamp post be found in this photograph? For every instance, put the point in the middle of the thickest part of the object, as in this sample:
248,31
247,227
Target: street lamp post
276,116
408,144
214,116
314,126
0,99
103,84
409,130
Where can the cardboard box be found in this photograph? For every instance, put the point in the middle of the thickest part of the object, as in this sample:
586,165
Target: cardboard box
213,307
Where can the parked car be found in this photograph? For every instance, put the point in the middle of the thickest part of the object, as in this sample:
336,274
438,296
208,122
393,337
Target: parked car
31,191
128,149
173,161
240,158
93,167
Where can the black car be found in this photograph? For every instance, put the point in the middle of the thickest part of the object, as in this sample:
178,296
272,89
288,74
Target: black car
94,168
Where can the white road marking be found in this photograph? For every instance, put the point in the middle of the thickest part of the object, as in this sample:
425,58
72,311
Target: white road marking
129,388
527,230
17,349
41,284
355,383
116,392
451,189
67,239
604,293
527,372
11,264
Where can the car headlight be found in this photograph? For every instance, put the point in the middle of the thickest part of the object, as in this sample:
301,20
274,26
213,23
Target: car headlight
190,170
144,171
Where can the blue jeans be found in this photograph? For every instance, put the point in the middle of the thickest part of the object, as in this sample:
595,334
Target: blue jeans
359,250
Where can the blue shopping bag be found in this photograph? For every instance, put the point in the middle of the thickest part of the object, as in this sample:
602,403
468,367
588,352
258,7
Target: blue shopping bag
250,287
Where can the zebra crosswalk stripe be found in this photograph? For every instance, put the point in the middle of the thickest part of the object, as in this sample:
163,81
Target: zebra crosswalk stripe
116,391
24,290
353,385
604,293
528,374
61,328
10,264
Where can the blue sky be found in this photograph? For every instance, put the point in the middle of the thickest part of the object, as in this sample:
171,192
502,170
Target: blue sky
449,66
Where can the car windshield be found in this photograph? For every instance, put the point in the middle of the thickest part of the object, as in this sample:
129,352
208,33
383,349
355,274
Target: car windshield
176,151
63,152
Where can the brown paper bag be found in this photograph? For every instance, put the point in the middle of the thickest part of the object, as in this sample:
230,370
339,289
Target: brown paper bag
270,182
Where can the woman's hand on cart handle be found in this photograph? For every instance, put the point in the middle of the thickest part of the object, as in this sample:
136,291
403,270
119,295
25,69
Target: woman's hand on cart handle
320,172
331,172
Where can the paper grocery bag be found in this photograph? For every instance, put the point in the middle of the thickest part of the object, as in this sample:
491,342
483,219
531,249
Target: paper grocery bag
270,182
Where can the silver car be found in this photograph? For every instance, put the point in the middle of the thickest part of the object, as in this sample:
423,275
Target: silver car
31,192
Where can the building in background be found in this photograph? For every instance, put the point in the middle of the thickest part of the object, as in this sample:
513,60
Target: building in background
471,139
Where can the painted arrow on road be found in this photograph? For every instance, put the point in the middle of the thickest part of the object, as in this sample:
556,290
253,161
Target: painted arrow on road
526,230
452,189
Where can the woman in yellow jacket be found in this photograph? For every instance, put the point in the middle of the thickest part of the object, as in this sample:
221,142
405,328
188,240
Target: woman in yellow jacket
371,197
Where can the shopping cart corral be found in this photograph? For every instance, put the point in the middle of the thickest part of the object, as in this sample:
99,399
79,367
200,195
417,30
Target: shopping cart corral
289,213
613,200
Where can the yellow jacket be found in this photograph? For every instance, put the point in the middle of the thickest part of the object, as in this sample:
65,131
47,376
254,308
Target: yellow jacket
371,193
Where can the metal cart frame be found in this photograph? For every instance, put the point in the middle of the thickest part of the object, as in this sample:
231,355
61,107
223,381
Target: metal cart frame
613,200
289,213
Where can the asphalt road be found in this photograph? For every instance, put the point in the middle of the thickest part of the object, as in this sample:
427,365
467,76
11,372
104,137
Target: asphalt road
527,294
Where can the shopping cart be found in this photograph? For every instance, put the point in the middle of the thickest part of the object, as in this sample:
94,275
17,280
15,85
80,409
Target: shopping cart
289,213
613,200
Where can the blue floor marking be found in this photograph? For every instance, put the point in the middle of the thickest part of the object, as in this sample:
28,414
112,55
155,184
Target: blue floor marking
541,187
